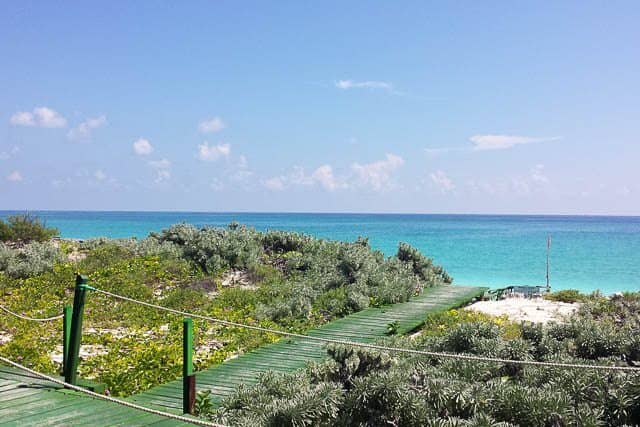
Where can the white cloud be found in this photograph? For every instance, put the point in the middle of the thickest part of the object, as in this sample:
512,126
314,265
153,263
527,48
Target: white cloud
23,118
370,84
215,124
142,147
324,176
163,169
501,142
537,174
83,130
242,162
41,117
100,175
377,175
14,176
160,164
49,118
211,153
239,172
296,177
480,187
276,183
526,183
442,181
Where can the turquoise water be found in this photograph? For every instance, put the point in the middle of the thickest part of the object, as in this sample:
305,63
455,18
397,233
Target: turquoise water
587,253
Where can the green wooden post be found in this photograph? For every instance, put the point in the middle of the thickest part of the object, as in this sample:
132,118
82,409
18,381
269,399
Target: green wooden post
188,379
66,332
73,357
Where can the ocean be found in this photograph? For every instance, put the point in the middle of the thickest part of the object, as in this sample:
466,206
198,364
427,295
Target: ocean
587,252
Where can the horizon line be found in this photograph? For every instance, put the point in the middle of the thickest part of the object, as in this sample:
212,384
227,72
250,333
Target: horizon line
325,213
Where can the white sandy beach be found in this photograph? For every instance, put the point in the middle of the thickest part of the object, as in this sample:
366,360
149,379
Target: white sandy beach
537,310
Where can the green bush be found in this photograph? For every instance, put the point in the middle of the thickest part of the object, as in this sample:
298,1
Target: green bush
566,295
25,229
465,337
422,266
311,271
401,389
30,260
596,340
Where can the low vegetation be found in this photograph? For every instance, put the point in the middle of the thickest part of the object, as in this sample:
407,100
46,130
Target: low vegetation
367,388
274,279
25,229
566,295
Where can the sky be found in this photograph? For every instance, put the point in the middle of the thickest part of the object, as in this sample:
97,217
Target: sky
359,106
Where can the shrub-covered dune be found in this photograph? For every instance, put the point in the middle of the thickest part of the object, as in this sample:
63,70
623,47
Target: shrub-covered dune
358,387
275,279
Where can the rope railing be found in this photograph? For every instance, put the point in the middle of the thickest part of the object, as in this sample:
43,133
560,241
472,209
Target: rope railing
109,398
404,350
33,319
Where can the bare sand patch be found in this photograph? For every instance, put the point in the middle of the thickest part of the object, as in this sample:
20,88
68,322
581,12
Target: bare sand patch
538,310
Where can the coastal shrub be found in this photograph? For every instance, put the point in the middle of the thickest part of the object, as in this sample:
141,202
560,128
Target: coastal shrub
25,228
596,340
346,364
422,266
618,309
533,332
385,398
565,295
465,337
400,389
282,400
135,247
32,259
309,268
214,249
280,242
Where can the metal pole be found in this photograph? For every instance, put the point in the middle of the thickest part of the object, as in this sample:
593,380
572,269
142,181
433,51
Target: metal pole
66,332
188,379
548,250
73,357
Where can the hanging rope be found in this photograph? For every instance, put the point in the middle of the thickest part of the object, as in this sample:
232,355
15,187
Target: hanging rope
108,398
373,346
33,319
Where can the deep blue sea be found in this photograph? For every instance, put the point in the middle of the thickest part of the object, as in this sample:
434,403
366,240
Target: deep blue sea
587,252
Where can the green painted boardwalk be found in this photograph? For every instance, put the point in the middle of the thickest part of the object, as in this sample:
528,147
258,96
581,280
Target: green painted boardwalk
29,401
288,355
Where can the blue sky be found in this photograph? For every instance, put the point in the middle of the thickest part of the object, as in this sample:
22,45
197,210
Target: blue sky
461,107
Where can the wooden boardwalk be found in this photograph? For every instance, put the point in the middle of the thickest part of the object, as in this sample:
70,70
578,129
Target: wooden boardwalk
288,355
29,401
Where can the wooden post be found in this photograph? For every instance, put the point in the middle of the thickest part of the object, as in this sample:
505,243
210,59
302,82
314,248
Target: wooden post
188,379
66,332
73,357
